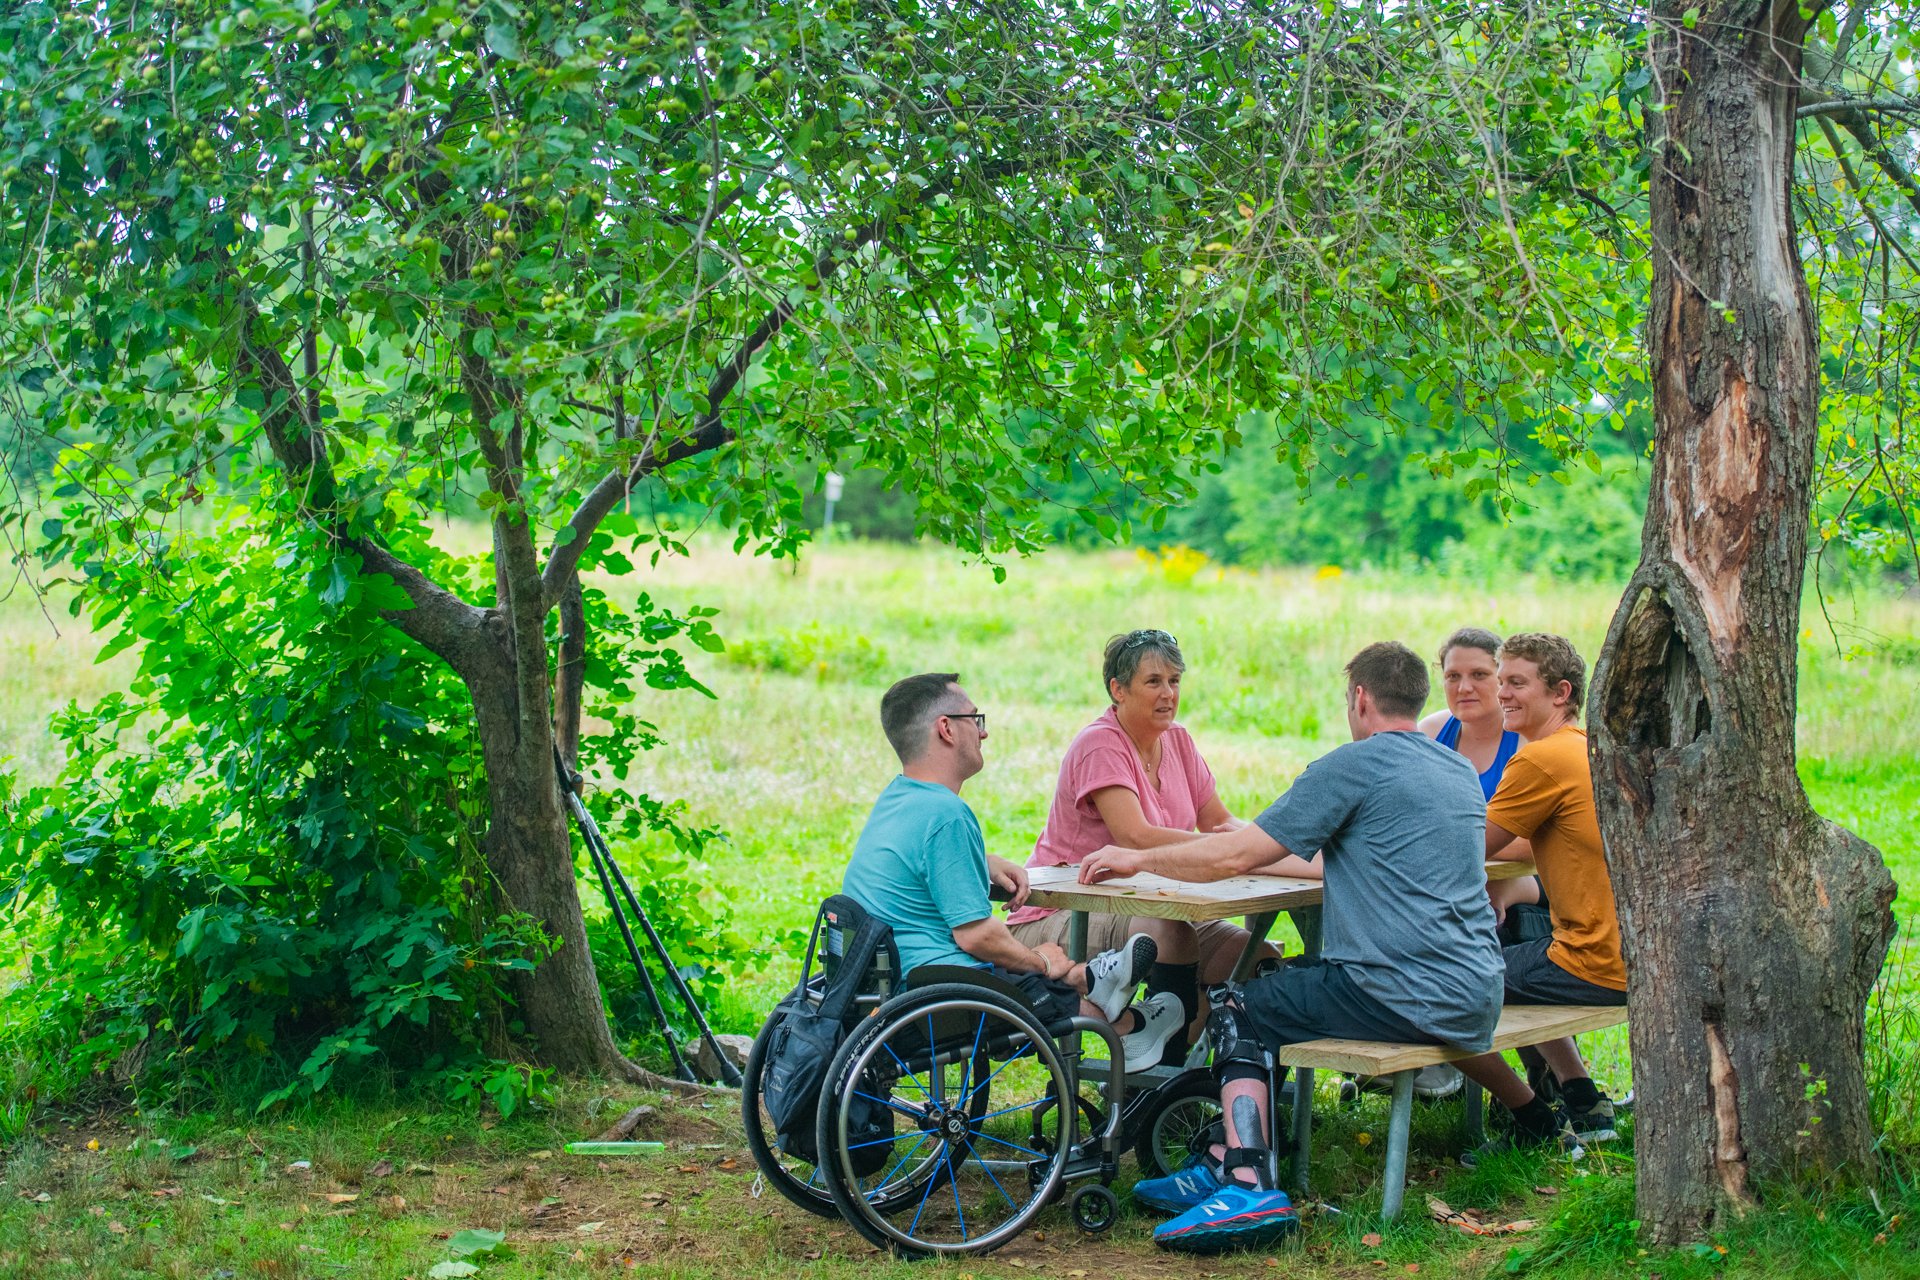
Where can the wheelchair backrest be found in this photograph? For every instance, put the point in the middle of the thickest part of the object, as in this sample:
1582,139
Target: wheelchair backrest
859,968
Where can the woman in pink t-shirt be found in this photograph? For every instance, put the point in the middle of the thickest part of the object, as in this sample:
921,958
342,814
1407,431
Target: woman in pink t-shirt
1133,777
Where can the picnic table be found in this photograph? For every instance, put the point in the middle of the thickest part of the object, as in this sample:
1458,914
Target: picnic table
1260,899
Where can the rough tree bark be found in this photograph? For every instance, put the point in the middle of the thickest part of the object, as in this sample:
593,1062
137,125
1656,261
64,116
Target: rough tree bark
1753,927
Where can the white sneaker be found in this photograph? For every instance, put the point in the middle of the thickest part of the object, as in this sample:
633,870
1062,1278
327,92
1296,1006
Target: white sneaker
1160,1017
1112,975
1437,1081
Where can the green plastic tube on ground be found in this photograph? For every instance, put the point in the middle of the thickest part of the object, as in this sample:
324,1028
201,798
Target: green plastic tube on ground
614,1148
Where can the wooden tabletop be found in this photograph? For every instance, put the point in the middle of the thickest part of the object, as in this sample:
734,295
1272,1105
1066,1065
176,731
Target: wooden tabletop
1164,899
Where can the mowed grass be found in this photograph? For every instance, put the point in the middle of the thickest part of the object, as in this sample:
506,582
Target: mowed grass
787,761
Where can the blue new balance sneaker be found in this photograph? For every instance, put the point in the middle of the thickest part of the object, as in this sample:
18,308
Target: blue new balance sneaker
1180,1190
1234,1217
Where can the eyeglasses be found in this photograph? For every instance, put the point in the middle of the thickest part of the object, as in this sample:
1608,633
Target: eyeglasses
1140,638
979,718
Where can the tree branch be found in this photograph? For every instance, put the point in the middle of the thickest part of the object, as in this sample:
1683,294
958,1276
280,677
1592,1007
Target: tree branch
710,432
1892,104
1856,123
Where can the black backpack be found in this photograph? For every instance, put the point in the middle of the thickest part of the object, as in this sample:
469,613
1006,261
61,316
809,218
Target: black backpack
858,969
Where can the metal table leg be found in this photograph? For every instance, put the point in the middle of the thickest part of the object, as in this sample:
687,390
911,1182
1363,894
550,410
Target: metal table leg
1400,1120
1306,920
1258,926
1476,1114
1077,937
1302,1128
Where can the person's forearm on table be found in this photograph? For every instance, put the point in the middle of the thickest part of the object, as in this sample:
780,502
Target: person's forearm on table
1293,865
1215,857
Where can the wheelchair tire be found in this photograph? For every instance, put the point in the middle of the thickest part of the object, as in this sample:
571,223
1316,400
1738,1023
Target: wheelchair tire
791,1176
921,1056
1178,1113
1094,1208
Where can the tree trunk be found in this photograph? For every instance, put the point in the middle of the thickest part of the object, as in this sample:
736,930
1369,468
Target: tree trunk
529,849
530,852
1753,928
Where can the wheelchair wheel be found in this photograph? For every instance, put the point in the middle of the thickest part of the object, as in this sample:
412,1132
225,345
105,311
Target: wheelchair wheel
790,1175
1175,1119
909,1082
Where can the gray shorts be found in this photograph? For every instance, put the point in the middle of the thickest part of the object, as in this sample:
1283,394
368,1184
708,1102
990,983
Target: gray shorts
1532,978
1316,1000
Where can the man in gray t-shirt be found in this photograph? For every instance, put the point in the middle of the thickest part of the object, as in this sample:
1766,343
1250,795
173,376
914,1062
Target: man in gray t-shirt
1408,951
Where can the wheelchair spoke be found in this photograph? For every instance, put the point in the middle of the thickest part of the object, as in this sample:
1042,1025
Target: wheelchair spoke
1037,1155
1024,1049
988,1170
908,1112
907,1074
886,1179
923,1206
958,1211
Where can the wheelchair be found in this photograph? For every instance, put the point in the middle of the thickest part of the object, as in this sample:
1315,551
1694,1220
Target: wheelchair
951,1113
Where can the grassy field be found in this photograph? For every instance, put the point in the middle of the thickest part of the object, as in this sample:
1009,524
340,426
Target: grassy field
787,760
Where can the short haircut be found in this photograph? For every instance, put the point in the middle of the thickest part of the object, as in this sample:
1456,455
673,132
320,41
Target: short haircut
1124,651
1393,675
1470,638
909,708
1557,660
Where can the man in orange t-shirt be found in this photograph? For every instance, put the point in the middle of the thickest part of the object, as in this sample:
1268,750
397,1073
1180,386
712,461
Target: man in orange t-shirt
1546,797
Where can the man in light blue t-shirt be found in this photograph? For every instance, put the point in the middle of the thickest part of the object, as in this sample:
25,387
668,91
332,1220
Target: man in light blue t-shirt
922,867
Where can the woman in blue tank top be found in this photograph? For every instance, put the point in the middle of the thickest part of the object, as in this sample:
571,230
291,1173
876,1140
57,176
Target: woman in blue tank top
1471,725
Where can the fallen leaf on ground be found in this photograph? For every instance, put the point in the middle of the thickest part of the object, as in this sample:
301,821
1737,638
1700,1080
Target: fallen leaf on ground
1546,1191
96,1211
381,1169
729,1164
286,1226
396,1202
117,1227
161,1193
42,1198
578,1255
588,1228
539,1155
1412,1267
422,1170
300,1166
1371,1239
341,1197
689,1168
812,1255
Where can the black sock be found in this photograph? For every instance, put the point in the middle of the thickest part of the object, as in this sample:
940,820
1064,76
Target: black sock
1581,1094
1536,1119
1183,980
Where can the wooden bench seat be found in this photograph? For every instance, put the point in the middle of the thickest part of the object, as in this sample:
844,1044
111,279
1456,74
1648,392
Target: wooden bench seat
1520,1024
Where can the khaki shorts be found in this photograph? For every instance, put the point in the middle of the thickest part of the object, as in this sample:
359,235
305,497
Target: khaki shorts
1105,932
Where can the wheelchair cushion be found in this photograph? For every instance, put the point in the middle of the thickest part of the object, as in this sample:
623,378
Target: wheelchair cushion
1010,985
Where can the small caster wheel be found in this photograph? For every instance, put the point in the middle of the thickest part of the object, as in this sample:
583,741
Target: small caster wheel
1095,1209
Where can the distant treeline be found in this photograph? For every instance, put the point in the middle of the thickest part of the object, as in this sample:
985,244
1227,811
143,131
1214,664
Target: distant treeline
1379,504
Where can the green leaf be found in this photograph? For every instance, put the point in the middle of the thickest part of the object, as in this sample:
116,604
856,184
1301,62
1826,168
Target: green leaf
451,1270
475,1240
